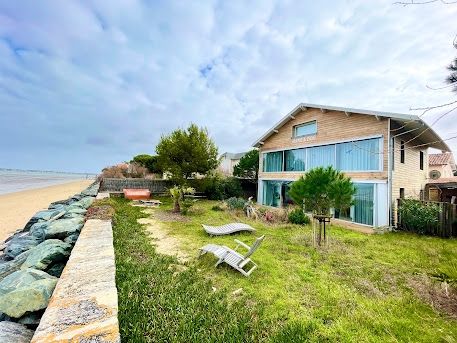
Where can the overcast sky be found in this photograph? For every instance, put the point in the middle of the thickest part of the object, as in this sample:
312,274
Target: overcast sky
92,83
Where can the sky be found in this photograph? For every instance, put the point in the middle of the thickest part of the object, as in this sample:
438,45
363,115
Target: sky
87,84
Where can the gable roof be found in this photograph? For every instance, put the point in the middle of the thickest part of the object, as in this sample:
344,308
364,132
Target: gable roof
411,122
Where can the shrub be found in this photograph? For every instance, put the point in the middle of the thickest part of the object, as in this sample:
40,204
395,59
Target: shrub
186,204
217,208
236,203
418,216
217,187
297,216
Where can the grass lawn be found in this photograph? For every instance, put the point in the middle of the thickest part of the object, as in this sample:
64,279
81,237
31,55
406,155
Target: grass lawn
361,288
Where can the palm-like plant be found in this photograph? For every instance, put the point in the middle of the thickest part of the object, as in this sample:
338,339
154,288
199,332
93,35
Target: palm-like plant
177,193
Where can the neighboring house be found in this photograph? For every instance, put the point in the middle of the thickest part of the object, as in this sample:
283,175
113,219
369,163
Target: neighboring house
228,161
442,184
441,165
358,143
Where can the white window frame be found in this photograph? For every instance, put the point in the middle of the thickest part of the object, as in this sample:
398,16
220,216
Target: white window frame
294,132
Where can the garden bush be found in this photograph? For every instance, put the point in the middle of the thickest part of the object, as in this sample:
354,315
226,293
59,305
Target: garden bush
297,216
417,216
217,187
236,203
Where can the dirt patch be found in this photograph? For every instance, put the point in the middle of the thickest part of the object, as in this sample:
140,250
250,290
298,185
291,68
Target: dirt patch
167,216
164,243
103,212
440,295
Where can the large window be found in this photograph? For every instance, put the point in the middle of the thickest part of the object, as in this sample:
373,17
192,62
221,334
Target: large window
362,155
358,155
320,156
305,129
295,160
272,161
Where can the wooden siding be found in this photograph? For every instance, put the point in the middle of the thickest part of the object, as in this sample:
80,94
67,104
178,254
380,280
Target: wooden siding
332,127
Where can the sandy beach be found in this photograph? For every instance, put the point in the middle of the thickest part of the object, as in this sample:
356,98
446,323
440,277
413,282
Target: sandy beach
17,208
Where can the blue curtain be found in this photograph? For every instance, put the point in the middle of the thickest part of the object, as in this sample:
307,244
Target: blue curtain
358,155
272,161
320,156
295,160
363,203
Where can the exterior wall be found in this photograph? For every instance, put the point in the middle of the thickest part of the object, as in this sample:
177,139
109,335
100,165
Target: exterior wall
408,175
445,170
332,127
226,165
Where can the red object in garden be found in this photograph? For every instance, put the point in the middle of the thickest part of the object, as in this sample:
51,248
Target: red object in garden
136,194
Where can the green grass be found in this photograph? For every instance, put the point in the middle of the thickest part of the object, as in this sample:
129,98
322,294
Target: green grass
358,289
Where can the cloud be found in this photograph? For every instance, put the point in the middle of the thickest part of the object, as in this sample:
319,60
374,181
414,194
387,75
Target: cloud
88,84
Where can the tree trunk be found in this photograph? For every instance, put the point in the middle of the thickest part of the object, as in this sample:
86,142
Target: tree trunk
176,208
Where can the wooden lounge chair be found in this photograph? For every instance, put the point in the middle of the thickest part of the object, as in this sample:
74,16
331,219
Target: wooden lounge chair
227,229
232,257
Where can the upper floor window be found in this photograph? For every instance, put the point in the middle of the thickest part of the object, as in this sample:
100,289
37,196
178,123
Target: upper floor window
402,152
305,129
421,160
272,161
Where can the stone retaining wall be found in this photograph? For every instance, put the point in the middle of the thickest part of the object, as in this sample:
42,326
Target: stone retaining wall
117,185
83,307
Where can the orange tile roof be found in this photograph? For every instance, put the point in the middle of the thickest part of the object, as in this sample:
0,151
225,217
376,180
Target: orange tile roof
441,159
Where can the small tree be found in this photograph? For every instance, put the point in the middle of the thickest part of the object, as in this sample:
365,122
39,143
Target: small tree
148,161
321,189
248,167
185,153
177,193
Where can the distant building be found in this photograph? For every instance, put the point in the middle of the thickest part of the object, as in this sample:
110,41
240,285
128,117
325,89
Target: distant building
441,165
228,161
442,184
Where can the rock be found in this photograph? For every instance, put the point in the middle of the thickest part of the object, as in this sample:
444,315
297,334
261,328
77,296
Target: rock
64,227
4,317
83,203
46,214
19,244
77,210
31,318
72,238
7,268
46,253
71,215
24,291
39,229
56,269
15,333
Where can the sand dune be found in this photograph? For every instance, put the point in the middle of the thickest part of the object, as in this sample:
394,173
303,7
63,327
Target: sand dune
17,208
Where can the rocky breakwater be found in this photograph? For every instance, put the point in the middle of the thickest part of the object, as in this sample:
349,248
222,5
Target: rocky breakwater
33,260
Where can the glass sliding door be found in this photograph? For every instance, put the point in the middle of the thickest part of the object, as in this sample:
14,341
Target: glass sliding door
272,193
364,204
272,161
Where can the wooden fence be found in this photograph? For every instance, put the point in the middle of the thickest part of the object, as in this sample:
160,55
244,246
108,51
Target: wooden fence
446,224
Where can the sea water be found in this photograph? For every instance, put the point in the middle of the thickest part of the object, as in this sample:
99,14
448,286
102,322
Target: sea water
13,180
